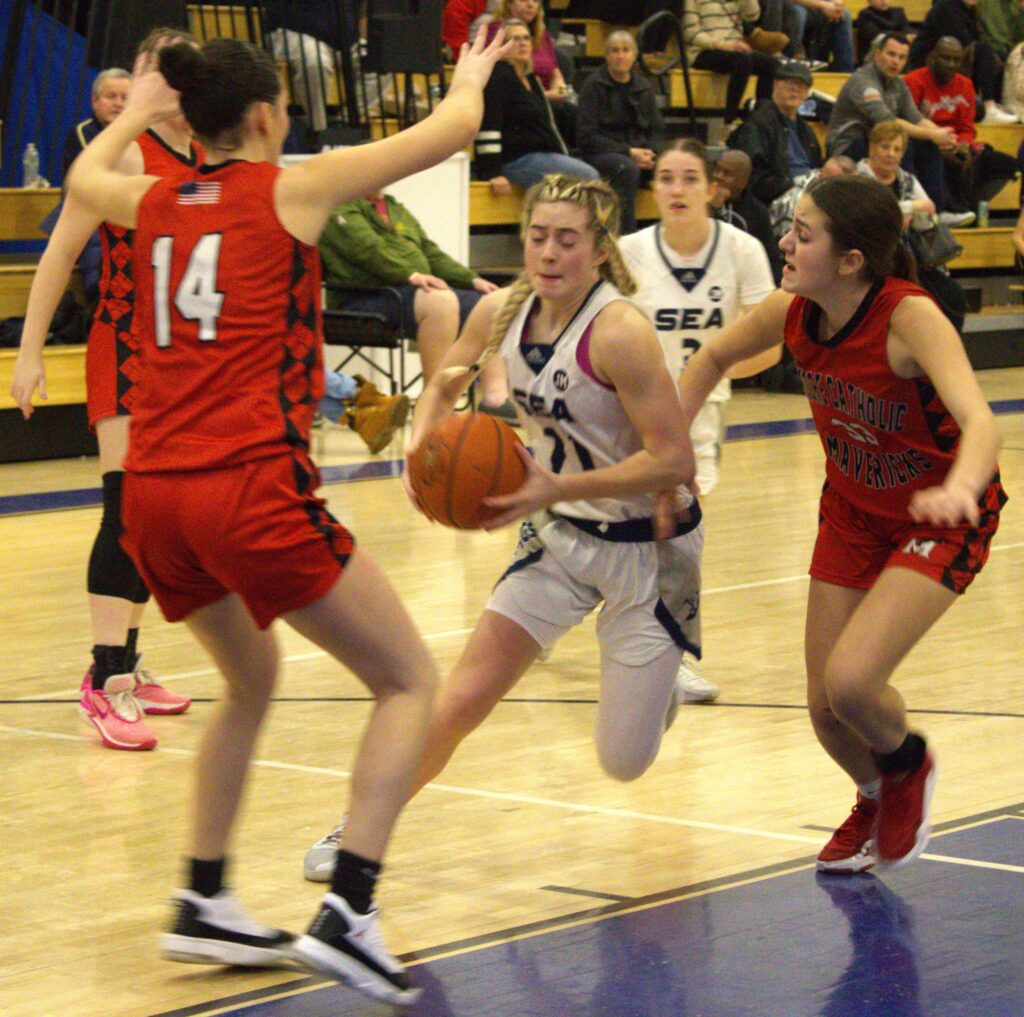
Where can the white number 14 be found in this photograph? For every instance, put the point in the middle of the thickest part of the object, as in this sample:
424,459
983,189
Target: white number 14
198,298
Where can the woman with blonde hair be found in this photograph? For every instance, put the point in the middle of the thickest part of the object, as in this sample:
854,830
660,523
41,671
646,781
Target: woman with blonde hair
545,62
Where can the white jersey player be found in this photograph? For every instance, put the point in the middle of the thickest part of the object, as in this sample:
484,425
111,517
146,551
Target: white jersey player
588,373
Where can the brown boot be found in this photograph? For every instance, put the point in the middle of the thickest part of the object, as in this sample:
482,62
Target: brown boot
375,417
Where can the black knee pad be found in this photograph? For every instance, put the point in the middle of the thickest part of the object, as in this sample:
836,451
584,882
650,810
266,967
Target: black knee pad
112,573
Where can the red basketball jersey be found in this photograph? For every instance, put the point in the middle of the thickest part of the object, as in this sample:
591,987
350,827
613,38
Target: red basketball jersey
884,436
228,308
115,292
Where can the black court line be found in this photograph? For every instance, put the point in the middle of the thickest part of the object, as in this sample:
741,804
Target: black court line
719,705
588,893
591,914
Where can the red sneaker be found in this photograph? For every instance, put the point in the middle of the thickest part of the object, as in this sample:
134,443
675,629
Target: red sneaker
903,819
851,848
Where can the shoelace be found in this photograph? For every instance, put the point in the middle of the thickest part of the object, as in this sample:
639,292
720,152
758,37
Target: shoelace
124,705
227,910
143,677
333,839
851,831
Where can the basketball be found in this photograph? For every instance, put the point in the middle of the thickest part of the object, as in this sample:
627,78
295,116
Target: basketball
467,457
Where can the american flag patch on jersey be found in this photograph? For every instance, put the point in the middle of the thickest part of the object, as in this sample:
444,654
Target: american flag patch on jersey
199,192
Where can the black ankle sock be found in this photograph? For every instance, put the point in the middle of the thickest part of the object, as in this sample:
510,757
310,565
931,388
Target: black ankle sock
131,653
107,661
355,879
206,877
908,757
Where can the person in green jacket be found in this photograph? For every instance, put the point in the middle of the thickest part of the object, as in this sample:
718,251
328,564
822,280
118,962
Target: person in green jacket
376,242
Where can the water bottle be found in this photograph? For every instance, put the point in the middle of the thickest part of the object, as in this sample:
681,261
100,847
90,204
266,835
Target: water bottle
983,214
30,166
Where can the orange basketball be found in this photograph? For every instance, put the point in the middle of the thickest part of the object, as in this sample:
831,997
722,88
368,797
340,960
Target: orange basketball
467,457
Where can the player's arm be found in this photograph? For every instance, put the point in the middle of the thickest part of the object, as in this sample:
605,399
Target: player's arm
751,335
305,194
624,353
98,181
756,364
455,374
921,340
74,227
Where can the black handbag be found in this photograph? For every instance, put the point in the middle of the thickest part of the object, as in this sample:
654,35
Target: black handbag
935,246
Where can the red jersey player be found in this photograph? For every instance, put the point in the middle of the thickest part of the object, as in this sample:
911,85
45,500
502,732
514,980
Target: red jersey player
220,509
912,496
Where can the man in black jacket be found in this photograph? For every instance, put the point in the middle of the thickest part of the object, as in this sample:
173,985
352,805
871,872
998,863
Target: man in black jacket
781,144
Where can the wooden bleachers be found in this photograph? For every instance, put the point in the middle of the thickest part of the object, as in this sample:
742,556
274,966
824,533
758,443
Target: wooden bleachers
224,21
709,88
21,211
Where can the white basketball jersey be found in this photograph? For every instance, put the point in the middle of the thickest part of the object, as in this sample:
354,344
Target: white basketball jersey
575,422
690,299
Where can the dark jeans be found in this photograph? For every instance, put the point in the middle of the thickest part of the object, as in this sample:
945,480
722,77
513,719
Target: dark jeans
624,176
979,178
922,158
739,67
381,302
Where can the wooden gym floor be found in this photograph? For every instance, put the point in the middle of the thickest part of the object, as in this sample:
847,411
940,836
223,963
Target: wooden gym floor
524,881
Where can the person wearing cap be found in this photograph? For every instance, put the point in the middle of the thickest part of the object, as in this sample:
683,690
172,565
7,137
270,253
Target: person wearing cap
781,144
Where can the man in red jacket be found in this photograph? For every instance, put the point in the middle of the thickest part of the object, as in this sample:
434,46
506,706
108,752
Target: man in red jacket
974,171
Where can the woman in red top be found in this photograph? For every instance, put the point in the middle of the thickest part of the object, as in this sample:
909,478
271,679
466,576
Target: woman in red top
220,510
911,499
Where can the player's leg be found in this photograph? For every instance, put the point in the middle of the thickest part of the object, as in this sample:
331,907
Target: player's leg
897,611
633,712
362,623
210,927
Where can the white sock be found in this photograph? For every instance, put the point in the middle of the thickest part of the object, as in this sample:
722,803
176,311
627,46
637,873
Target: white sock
872,790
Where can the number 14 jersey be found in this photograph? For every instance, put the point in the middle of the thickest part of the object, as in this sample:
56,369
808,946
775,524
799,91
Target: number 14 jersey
229,308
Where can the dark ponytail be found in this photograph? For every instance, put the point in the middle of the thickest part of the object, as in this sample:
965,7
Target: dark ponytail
218,83
862,214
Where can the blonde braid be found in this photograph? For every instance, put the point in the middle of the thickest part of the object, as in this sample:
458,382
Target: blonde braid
598,199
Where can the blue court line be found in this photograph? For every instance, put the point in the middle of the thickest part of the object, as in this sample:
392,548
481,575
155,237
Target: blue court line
89,497
936,939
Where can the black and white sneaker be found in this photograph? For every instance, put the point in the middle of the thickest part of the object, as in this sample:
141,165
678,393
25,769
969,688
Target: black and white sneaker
215,930
346,945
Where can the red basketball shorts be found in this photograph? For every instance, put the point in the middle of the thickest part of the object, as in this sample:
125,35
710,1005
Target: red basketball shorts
246,529
853,546
112,370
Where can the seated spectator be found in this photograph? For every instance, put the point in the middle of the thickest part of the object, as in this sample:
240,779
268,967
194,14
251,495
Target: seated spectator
1002,25
1018,241
828,33
886,146
959,18
782,146
620,128
376,241
877,19
355,401
713,33
732,201
974,171
783,207
519,142
876,92
109,94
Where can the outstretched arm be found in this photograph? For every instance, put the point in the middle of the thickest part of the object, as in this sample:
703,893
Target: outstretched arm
305,194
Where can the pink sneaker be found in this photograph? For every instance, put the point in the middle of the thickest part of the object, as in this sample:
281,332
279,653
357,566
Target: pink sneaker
154,697
115,713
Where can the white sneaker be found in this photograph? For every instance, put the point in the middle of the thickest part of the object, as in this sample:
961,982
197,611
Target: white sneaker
955,219
995,115
318,865
215,930
343,944
692,687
